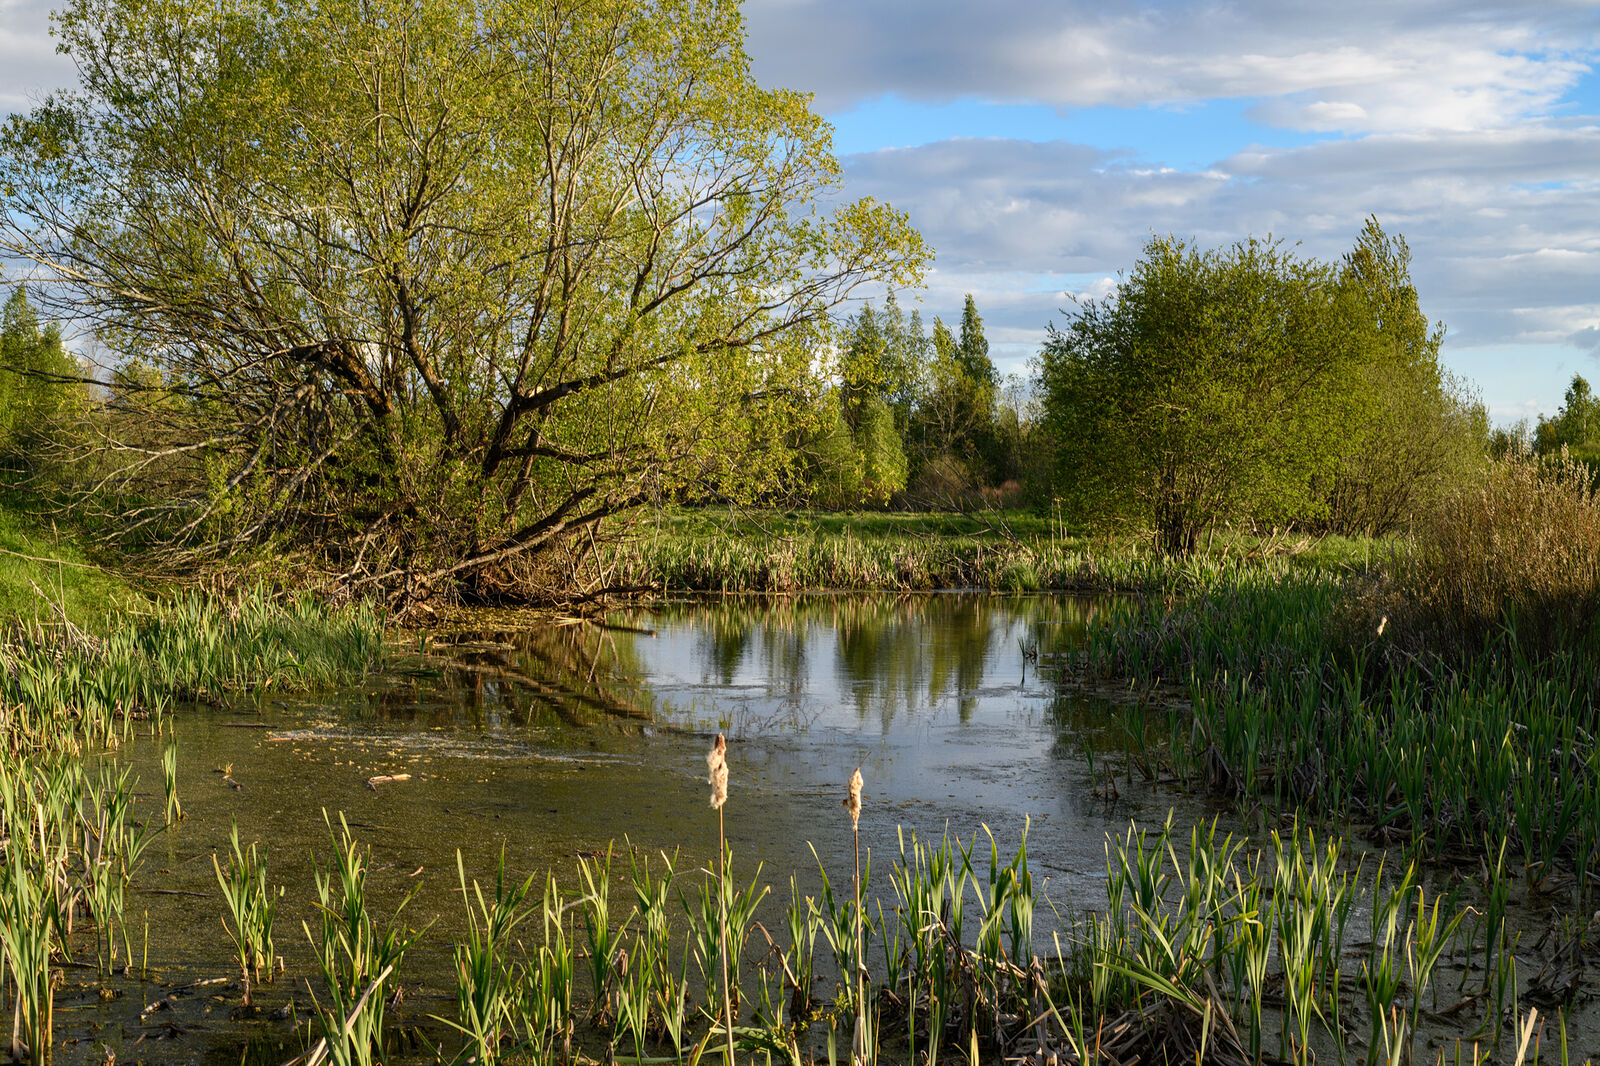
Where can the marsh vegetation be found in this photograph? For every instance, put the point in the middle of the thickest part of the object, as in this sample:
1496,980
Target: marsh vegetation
519,918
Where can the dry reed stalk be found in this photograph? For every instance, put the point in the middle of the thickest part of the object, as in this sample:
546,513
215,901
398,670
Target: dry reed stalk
852,803
717,778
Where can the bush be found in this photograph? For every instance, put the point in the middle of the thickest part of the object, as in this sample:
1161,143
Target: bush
1517,554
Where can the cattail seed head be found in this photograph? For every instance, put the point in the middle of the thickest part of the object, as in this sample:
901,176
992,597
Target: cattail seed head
852,802
717,778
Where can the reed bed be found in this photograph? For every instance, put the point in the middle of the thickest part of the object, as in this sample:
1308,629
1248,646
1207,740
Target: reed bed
1448,699
57,680
1204,949
70,844
795,558
71,847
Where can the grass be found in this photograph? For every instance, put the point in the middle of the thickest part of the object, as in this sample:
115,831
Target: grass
45,572
1449,697
1204,948
722,550
87,662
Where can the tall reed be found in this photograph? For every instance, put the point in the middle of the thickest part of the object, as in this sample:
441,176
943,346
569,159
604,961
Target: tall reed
252,906
486,990
354,954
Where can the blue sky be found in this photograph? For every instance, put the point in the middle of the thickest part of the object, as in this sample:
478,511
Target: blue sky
1039,143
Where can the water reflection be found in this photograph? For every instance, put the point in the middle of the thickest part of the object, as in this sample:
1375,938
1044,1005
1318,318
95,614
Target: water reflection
747,664
569,675
544,741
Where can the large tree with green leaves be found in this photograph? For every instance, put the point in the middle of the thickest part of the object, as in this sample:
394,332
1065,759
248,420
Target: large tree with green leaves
438,285
1414,430
1207,387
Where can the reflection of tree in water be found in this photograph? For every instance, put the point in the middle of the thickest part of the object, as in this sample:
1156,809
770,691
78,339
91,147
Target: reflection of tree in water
749,640
894,653
917,652
573,674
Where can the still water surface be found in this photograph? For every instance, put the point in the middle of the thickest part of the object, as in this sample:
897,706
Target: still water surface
551,741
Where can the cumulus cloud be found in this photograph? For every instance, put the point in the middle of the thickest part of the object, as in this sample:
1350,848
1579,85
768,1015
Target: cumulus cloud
1353,67
29,65
1587,339
1504,226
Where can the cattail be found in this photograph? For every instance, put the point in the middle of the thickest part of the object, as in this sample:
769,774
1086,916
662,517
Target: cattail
852,802
717,778
863,1039
717,764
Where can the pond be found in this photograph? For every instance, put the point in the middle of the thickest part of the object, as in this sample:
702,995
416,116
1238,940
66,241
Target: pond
550,740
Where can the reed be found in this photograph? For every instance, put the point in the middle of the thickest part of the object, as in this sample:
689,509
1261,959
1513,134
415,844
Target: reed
169,782
355,956
30,929
863,1044
1202,940
717,778
112,847
1014,552
1297,702
601,936
486,985
61,687
542,1007
252,906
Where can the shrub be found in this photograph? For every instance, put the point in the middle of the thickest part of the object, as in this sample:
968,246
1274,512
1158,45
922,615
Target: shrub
1516,554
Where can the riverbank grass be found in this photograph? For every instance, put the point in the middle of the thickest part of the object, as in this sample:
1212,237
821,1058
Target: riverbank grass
728,550
45,573
1449,698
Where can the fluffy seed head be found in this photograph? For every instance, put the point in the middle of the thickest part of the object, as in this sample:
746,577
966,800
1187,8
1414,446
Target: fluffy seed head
852,802
717,778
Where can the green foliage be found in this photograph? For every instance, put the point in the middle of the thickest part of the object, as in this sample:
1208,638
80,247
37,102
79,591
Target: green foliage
884,357
1575,427
439,287
36,393
833,467
954,429
1416,432
1248,384
883,459
972,350
1208,387
921,412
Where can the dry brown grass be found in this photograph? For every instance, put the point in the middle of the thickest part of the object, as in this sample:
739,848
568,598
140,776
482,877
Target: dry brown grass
1516,554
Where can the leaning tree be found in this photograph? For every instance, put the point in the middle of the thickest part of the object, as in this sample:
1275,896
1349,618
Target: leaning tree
421,291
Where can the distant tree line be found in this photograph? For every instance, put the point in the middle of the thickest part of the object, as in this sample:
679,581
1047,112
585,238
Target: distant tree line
1573,429
1247,385
909,417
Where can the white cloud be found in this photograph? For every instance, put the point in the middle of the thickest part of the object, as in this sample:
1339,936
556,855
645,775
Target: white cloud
29,65
1504,225
1352,67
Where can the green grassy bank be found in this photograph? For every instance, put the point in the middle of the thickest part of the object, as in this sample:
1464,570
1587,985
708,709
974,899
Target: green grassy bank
43,568
721,550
